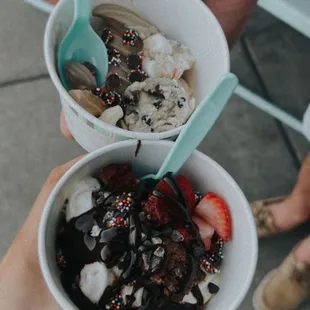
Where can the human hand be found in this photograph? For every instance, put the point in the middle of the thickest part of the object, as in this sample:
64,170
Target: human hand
21,283
231,14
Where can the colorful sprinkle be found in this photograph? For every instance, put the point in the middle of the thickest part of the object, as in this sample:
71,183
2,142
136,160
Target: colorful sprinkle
124,202
111,98
118,222
130,37
207,265
115,303
98,91
114,57
107,36
60,259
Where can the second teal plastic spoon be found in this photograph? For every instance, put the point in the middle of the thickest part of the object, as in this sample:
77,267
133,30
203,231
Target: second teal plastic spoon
197,127
82,43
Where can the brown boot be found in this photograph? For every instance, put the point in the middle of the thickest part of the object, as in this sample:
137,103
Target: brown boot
263,218
285,287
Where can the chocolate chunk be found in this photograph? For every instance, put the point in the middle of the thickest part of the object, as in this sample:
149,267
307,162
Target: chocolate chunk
181,102
156,263
147,120
173,273
146,258
108,215
136,96
197,294
157,92
137,76
213,288
92,68
107,36
158,104
113,81
134,61
177,236
159,252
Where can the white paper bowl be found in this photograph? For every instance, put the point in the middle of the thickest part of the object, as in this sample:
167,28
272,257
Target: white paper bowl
189,21
205,174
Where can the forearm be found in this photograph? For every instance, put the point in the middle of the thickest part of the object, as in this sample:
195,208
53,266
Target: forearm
21,283
232,15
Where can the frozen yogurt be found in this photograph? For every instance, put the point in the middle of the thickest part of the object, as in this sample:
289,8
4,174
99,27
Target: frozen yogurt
140,58
140,245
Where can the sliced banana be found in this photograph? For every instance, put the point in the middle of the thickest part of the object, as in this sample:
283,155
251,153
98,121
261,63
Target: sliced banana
87,100
127,18
79,76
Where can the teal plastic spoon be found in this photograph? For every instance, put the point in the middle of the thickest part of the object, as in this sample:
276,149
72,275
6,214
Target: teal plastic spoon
197,127
81,43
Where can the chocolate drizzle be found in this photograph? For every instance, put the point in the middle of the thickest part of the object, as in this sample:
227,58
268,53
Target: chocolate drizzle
132,247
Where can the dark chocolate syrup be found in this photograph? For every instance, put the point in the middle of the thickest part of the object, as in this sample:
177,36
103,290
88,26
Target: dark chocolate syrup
123,247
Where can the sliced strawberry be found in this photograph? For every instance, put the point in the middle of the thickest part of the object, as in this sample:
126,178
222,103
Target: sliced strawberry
206,231
187,189
164,187
184,185
214,211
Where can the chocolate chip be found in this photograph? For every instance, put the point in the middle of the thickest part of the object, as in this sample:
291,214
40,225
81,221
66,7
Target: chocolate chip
146,119
134,61
113,81
213,288
157,104
181,102
157,92
137,76
136,96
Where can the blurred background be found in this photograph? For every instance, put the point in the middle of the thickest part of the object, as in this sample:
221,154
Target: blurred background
261,154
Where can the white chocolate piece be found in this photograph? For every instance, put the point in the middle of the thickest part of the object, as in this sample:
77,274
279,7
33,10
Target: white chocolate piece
79,195
112,115
94,278
127,290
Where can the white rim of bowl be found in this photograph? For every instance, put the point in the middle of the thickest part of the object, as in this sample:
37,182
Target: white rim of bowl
63,302
49,47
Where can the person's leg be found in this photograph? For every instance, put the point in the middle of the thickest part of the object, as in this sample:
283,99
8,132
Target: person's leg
287,286
278,215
